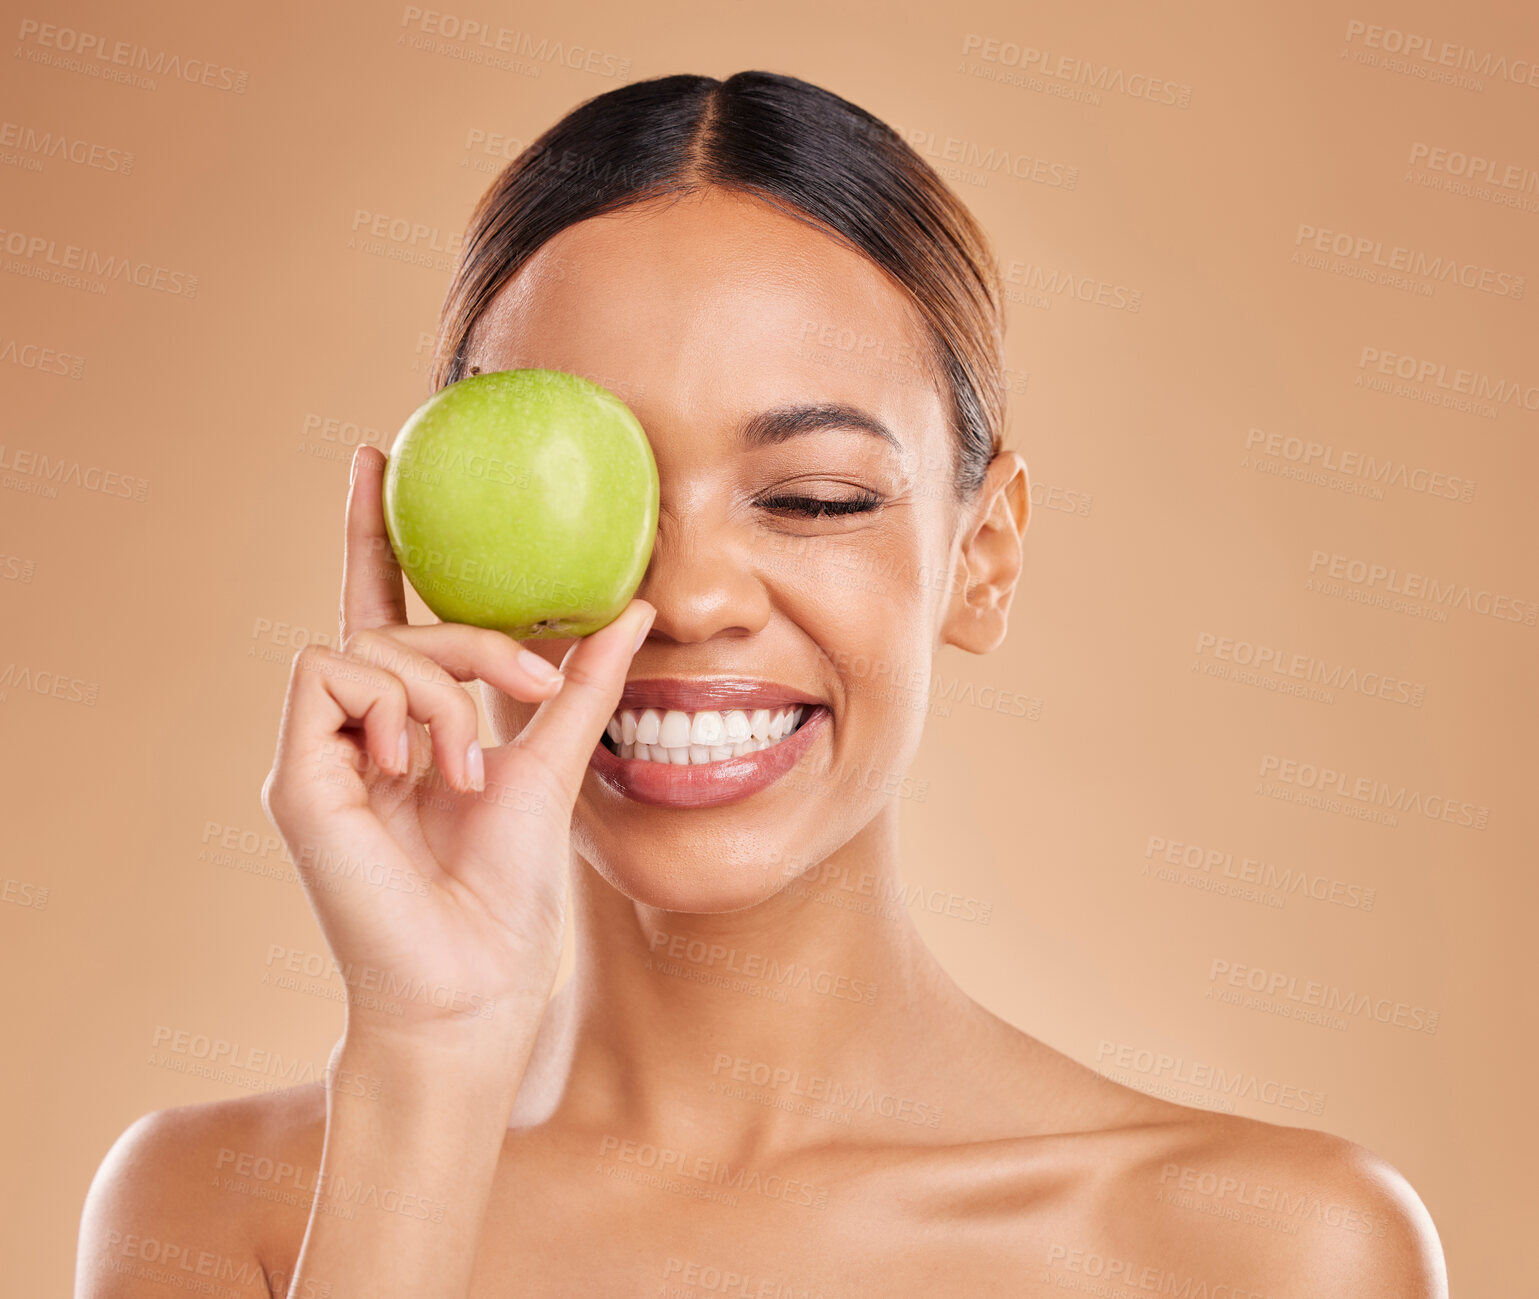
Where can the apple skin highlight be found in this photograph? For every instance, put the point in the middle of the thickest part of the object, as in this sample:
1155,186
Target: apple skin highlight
525,501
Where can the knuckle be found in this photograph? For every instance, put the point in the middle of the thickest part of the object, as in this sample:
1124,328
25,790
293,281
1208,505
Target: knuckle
378,648
459,711
583,678
361,642
394,696
307,660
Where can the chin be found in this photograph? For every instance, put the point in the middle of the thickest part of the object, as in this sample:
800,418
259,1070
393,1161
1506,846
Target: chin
709,864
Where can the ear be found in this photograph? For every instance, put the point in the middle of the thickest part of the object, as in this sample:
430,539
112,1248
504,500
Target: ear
989,563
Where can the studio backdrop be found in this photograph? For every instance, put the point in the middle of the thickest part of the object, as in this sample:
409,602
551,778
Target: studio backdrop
1242,812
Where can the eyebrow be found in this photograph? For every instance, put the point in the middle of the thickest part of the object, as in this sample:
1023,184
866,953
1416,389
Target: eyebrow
770,427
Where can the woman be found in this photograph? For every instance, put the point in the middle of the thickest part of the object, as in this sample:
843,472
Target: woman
741,1091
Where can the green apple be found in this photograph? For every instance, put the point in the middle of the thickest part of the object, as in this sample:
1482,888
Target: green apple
525,501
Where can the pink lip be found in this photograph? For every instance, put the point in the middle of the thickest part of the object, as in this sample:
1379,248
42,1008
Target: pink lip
694,694
712,783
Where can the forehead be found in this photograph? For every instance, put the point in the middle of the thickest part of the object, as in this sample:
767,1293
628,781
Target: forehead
713,305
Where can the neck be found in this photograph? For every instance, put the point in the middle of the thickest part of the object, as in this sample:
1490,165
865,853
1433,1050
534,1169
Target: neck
722,1026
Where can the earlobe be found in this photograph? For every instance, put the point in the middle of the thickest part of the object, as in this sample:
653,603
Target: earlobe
989,562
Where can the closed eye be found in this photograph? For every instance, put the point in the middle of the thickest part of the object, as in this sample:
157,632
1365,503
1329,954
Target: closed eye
815,506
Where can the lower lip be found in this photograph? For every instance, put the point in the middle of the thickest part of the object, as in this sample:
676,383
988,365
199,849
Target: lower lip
662,784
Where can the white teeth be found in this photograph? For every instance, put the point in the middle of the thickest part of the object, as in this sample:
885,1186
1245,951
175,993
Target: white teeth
707,728
678,738
674,731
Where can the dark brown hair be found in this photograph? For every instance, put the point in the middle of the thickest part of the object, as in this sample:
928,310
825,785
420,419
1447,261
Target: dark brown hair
782,140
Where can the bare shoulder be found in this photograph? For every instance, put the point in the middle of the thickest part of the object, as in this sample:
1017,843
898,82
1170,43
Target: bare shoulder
206,1192
1264,1208
1103,1185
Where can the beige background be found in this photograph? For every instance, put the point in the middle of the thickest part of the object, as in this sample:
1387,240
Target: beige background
1160,532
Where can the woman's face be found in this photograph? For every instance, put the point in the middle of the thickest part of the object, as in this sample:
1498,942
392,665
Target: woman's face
704,315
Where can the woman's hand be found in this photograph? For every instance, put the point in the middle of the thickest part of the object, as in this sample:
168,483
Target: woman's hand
438,874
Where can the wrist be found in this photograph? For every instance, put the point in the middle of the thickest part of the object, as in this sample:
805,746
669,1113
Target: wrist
398,1064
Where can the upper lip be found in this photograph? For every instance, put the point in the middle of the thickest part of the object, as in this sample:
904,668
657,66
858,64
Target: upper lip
722,694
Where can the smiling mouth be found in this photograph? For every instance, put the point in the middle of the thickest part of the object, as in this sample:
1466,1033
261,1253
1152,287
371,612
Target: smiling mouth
676,737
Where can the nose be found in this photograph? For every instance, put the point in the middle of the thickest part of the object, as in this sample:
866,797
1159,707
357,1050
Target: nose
701,582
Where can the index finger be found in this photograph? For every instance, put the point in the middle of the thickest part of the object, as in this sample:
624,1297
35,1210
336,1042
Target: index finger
373,592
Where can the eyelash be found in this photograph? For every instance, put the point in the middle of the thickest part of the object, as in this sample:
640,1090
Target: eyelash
815,507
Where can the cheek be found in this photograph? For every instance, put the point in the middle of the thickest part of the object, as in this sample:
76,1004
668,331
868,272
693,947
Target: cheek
870,604
874,629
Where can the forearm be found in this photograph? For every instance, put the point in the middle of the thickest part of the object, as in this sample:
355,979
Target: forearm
413,1137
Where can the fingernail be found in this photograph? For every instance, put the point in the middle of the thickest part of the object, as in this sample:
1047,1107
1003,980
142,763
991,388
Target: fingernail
402,754
352,473
540,669
474,765
642,634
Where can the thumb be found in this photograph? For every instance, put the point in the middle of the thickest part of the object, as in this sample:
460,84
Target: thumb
565,728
